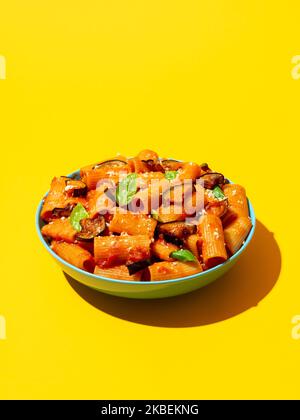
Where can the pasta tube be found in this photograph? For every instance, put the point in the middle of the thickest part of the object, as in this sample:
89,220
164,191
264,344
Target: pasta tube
170,270
58,203
55,199
236,233
136,165
74,254
190,170
133,224
120,272
60,230
110,169
193,243
237,199
213,245
99,203
116,250
162,249
167,214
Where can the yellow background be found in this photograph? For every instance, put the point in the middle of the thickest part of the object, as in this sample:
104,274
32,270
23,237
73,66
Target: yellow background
207,80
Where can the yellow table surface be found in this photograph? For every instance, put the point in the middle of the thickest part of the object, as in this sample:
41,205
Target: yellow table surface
211,81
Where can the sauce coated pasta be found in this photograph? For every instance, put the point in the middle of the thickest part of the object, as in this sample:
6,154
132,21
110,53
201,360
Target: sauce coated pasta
145,218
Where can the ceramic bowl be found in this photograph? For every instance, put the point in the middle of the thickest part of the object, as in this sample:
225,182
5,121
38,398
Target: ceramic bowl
145,290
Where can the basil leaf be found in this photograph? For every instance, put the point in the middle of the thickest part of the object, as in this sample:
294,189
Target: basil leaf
78,213
218,193
183,255
126,189
170,175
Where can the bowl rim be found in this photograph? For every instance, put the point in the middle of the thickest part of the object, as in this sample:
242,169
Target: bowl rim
93,276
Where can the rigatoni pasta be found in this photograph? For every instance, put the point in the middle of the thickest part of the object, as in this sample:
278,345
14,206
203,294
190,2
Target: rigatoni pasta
119,272
133,224
91,175
74,254
172,270
194,243
60,229
236,233
162,249
115,250
145,218
213,242
58,202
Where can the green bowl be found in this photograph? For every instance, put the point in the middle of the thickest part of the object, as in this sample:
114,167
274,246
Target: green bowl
145,290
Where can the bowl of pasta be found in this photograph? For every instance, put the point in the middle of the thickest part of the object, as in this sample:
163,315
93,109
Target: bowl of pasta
145,227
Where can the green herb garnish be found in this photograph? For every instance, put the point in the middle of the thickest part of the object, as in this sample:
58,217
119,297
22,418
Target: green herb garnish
183,255
126,189
78,213
170,175
218,193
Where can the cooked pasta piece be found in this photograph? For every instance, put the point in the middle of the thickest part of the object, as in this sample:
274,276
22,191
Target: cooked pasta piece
57,203
174,194
88,246
166,270
60,230
229,217
110,169
150,186
145,179
190,170
193,243
236,233
237,199
141,202
138,166
237,203
217,208
171,164
75,187
99,202
193,204
213,245
119,272
202,192
167,214
145,161
74,254
117,250
162,249
133,224
149,195
58,186
92,198
146,155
